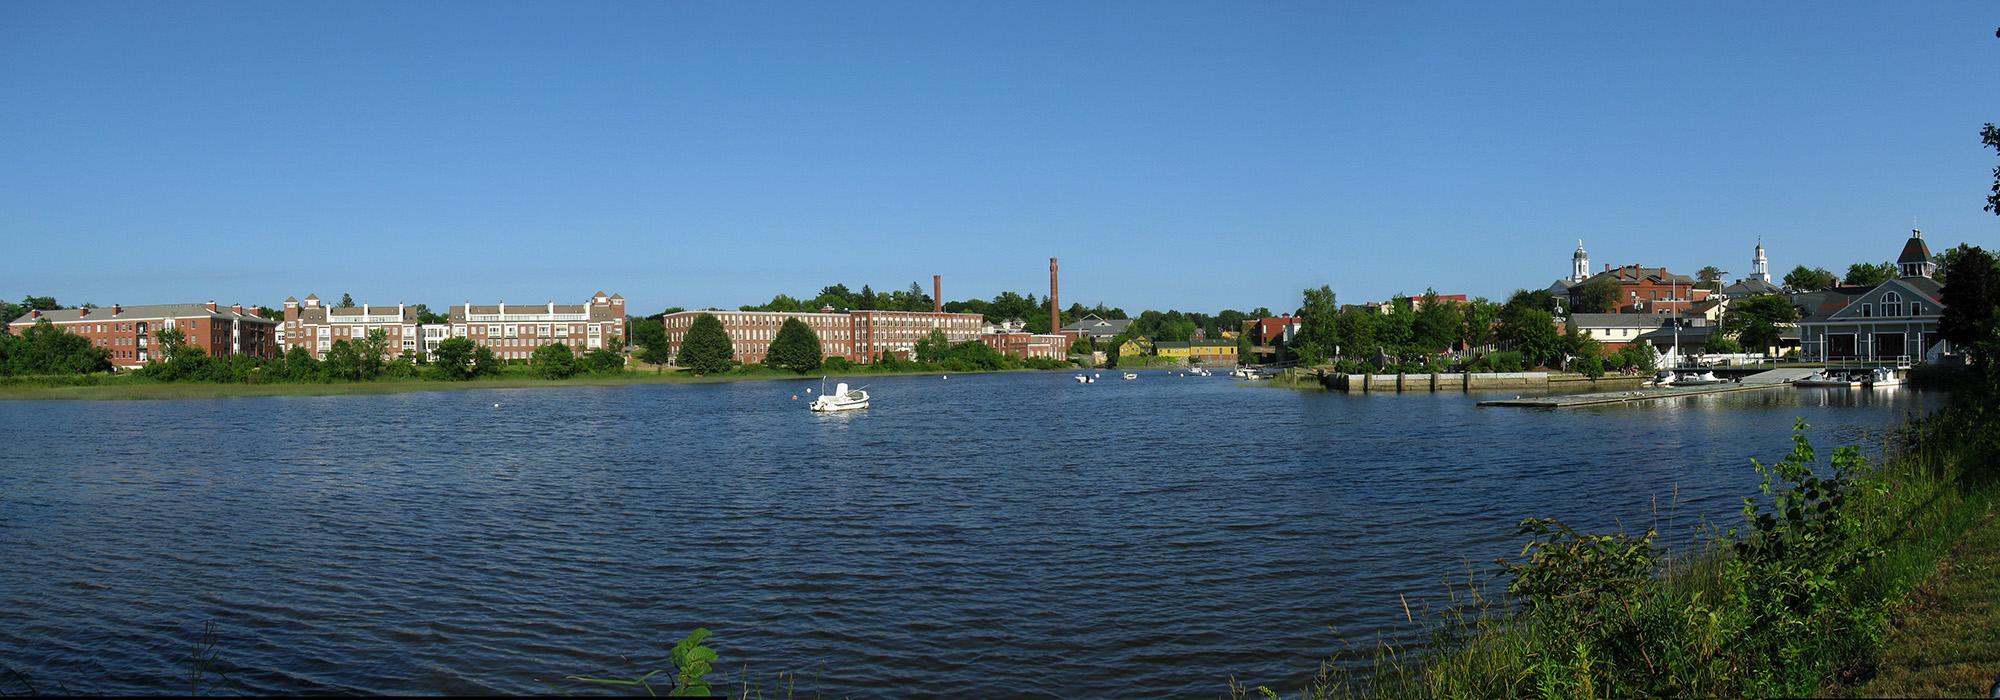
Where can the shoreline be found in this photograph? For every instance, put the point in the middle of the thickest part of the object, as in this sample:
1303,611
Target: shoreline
120,389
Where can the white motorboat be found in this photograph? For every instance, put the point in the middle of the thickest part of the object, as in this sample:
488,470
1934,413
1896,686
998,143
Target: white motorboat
1082,378
1243,373
1882,377
1129,375
1664,378
1699,379
1824,378
842,399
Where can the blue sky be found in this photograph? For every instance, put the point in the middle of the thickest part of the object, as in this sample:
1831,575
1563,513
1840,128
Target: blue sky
1194,156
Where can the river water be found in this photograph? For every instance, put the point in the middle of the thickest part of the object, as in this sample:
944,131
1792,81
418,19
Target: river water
994,535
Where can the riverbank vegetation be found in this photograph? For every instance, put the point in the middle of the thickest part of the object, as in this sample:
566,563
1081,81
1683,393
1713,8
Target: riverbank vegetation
1795,599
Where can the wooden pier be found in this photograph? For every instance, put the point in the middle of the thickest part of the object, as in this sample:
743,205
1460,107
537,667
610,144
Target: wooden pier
1773,379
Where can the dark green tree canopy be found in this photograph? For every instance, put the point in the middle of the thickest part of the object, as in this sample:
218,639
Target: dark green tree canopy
796,348
553,361
1597,296
1972,308
707,348
46,349
1756,322
1319,326
1805,279
1868,275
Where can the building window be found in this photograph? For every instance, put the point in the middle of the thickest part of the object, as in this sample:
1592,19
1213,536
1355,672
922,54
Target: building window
1892,304
1867,310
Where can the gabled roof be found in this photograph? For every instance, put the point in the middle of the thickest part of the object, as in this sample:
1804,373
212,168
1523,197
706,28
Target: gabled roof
1634,274
1925,289
1751,287
144,312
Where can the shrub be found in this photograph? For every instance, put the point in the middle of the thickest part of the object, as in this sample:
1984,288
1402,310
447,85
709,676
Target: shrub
1587,366
553,361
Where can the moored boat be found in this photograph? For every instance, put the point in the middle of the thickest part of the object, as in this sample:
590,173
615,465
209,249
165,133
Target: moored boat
842,399
1882,377
1824,378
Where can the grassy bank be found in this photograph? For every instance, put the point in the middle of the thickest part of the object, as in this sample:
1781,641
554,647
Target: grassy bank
1945,638
1800,597
123,387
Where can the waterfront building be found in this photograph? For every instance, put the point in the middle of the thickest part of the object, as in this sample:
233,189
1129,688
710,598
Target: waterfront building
1641,290
860,336
129,333
514,331
1026,345
1614,331
1136,346
315,326
1098,329
1896,320
1207,352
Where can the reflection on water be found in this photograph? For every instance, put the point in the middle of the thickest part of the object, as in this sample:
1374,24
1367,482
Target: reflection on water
992,535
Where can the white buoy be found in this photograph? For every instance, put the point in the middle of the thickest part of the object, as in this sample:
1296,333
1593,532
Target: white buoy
945,377
496,405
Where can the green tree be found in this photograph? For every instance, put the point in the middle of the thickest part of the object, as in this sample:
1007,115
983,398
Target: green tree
452,359
1722,344
1597,296
866,300
1805,279
1867,275
426,317
1354,332
372,352
1532,333
1319,326
651,336
1991,137
553,361
343,362
45,349
298,365
707,348
1757,322
346,301
1480,316
1971,318
797,348
485,363
932,348
1438,324
1711,278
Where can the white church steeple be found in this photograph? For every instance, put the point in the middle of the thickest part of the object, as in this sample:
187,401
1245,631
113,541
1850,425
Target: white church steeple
1760,268
1579,264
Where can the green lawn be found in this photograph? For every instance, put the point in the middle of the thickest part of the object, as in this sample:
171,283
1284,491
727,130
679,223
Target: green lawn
1946,637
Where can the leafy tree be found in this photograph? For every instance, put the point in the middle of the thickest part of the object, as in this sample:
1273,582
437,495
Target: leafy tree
1589,366
553,361
1597,296
651,337
797,347
1576,343
1532,333
1971,318
1711,278
1991,137
346,301
485,363
45,349
1437,324
270,313
343,362
932,348
1354,333
1756,322
298,365
1722,344
1319,326
1805,279
707,348
866,300
1866,275
452,359
372,350
1480,316
427,317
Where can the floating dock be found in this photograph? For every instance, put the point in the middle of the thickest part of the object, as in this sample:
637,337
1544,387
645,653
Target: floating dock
1771,379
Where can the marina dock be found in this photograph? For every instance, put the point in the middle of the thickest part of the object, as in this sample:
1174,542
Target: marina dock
1770,379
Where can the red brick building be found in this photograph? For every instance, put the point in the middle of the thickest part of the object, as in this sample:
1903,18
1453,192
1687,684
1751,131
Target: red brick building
513,331
1647,290
129,333
1024,345
858,336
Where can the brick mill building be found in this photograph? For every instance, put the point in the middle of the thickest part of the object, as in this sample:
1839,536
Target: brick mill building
513,331
315,326
858,335
129,332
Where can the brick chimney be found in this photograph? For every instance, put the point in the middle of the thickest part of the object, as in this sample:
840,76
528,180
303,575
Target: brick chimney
116,309
1055,301
236,309
937,294
34,313
210,306
82,311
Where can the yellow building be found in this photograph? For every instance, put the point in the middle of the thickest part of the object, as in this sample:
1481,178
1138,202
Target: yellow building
1208,352
1136,346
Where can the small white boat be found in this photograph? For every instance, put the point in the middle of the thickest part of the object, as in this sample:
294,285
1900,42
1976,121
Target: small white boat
1664,378
1243,373
1699,379
1882,377
1082,378
1129,375
1825,378
842,399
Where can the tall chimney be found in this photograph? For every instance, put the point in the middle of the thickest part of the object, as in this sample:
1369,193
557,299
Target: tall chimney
1055,301
937,293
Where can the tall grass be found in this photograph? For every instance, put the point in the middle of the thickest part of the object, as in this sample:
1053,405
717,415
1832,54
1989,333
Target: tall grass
1792,601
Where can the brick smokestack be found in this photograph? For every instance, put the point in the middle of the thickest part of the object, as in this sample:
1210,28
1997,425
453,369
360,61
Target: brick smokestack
937,294
1055,300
